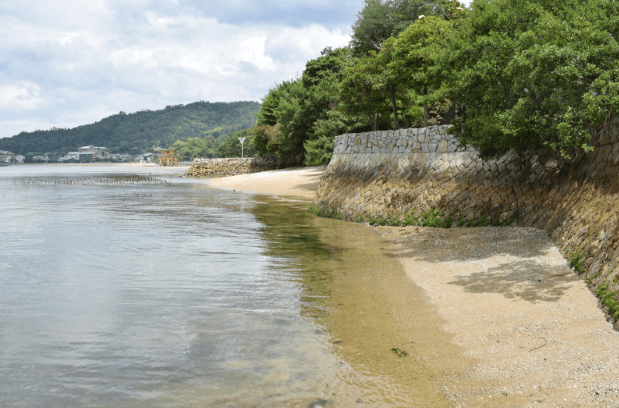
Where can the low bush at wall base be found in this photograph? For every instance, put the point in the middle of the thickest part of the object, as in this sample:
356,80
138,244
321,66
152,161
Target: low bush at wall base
390,176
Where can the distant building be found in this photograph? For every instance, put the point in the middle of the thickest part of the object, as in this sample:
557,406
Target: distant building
88,153
6,156
19,158
86,157
71,156
29,158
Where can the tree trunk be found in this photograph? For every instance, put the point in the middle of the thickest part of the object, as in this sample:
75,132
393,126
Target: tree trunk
395,110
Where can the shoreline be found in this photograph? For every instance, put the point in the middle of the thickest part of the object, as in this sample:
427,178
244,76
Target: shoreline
531,328
299,182
97,164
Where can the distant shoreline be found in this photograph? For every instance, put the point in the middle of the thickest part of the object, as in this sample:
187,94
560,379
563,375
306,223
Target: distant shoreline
99,164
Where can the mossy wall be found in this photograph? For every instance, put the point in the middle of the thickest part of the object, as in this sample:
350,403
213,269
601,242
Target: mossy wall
576,200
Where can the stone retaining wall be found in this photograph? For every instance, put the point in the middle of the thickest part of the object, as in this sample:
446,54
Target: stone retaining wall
231,167
391,173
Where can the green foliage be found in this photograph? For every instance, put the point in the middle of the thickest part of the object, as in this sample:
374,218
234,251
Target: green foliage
478,222
358,94
381,19
411,220
577,261
435,219
532,73
333,213
608,300
141,130
508,222
194,147
225,146
414,57
266,138
319,149
230,146
270,103
304,111
432,219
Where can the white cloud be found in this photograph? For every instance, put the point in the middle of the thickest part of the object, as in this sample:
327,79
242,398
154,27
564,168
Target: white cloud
64,64
20,97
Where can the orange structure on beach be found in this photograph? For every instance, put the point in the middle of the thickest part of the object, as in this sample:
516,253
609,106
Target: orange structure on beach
168,157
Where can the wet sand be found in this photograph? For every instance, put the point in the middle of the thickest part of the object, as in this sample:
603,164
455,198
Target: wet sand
516,326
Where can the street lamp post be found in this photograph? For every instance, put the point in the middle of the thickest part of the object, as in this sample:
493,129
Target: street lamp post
241,139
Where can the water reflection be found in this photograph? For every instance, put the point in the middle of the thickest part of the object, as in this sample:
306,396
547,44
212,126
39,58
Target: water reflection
366,307
151,294
173,294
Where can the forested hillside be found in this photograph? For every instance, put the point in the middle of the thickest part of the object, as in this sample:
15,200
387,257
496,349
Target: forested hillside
122,132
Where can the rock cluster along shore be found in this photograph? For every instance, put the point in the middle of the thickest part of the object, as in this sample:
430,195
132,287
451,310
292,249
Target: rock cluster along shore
231,167
391,173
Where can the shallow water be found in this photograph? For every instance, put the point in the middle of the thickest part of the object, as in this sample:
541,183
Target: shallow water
152,290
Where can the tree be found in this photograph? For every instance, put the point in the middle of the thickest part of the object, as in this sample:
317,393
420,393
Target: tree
299,105
267,113
413,59
532,73
265,138
357,93
381,19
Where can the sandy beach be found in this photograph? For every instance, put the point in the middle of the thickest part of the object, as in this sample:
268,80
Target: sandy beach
299,182
529,331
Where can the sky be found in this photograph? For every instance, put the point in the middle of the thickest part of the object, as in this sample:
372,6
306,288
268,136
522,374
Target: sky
65,63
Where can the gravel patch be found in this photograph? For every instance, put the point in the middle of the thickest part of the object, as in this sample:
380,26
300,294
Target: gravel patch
536,332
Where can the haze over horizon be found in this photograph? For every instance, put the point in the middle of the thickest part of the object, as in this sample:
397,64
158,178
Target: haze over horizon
65,64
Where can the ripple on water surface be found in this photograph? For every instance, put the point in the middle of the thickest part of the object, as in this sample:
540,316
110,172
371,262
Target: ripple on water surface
132,287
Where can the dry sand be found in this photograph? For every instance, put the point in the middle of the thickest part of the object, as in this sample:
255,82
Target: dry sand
296,182
532,330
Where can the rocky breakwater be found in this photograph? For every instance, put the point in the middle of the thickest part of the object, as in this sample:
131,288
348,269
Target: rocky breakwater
231,167
395,174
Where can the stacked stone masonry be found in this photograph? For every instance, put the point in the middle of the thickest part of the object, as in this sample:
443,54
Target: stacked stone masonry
231,167
388,174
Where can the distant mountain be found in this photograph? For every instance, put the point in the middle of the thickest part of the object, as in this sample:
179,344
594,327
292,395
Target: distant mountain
122,132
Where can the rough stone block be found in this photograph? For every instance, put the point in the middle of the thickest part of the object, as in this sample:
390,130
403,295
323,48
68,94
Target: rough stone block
442,146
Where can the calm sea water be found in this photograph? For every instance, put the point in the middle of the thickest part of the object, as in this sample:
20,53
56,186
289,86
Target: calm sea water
132,287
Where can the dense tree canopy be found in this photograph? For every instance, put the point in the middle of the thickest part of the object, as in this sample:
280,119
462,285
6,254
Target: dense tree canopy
381,19
298,114
517,74
532,73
